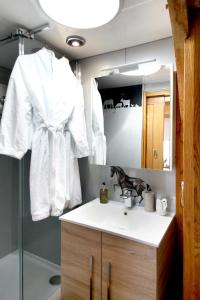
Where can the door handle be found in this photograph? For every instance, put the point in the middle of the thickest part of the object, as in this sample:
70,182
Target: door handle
91,262
155,154
109,281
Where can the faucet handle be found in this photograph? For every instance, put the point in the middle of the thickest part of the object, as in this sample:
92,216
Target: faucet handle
123,196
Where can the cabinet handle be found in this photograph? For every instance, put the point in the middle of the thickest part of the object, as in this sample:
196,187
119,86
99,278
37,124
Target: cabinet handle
91,260
109,281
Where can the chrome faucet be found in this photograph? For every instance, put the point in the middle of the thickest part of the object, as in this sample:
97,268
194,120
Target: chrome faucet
127,199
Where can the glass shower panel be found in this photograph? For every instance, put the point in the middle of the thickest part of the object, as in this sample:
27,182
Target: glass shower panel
9,196
41,239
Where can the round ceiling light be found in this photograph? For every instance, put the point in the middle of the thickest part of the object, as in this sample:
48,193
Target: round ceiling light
81,14
75,41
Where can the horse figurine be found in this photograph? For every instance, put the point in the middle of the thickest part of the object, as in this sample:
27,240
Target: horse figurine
108,104
129,184
126,103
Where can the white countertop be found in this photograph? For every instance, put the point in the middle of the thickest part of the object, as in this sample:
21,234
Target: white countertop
135,224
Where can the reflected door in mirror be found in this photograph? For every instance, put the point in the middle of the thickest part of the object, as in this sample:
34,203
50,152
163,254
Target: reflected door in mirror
156,111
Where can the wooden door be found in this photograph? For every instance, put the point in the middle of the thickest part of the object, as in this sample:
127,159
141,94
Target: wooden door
153,131
80,263
128,269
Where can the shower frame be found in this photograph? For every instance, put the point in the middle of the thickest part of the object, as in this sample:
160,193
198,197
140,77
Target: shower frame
21,34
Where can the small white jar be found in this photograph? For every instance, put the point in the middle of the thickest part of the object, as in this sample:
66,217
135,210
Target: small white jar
161,206
149,201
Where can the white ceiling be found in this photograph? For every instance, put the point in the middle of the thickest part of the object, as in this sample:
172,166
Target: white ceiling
139,21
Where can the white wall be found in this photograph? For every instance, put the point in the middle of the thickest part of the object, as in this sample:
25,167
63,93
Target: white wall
92,176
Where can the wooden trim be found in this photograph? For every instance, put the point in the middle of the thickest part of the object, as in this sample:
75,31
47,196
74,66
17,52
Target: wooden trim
178,11
144,127
191,164
179,19
179,179
180,28
157,93
185,19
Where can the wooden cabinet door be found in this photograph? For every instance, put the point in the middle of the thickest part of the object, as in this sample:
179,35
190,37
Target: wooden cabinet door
128,269
80,263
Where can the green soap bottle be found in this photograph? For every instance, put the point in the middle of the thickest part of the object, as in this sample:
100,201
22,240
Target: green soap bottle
103,194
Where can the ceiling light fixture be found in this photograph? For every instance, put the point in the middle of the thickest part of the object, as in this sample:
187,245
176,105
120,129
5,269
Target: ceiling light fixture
75,41
81,14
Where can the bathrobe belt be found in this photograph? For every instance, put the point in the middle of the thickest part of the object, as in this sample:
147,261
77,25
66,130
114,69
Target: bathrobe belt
55,150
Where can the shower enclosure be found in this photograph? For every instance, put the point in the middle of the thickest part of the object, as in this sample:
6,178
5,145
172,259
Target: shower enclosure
29,251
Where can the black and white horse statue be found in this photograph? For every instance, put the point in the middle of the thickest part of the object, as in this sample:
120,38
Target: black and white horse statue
129,184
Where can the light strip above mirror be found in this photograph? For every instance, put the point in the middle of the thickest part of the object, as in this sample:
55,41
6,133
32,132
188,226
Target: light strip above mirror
141,68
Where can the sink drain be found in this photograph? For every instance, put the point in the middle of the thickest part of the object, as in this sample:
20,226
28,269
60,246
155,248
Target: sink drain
55,280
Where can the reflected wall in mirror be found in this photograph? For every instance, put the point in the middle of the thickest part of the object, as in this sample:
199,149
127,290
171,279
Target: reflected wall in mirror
138,119
4,77
8,55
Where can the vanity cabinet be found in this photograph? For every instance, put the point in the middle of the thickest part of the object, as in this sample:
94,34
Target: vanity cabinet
80,263
128,269
98,265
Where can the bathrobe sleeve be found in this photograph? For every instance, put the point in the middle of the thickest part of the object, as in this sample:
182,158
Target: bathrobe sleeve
15,125
77,125
98,138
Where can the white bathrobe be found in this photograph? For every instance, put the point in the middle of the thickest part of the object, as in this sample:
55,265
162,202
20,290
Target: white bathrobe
44,112
99,148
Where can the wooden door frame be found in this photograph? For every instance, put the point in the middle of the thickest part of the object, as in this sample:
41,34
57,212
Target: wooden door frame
185,20
144,116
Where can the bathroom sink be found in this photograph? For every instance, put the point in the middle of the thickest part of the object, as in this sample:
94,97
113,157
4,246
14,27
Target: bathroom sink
136,224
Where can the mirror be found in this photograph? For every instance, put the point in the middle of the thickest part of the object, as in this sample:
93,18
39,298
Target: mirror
138,119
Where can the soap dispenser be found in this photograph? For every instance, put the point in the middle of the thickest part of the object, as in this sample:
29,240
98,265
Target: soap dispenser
103,193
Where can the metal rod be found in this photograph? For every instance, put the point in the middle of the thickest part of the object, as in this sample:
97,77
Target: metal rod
23,33
20,206
21,45
40,29
3,39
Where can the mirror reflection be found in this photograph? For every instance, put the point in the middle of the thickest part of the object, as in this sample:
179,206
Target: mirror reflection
138,119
